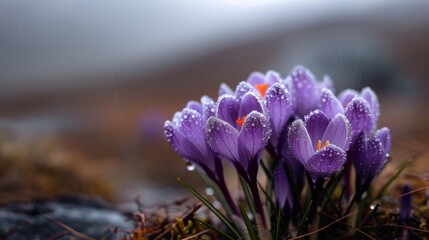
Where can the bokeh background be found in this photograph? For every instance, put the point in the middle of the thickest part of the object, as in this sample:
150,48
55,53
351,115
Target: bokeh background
87,85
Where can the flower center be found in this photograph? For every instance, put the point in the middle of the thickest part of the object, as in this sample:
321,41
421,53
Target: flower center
320,146
262,88
240,121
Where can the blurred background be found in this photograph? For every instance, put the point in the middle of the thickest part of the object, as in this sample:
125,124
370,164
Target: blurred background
87,85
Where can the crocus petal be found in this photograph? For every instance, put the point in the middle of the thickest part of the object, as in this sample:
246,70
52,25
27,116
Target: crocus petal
372,100
282,187
272,77
316,123
222,138
329,104
338,132
243,88
384,135
255,78
347,96
359,115
327,83
227,109
192,126
208,106
250,102
195,105
369,157
280,105
305,88
325,162
253,137
300,142
225,89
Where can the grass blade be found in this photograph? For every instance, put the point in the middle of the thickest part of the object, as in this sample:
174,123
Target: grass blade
402,167
307,211
278,220
222,233
249,225
210,206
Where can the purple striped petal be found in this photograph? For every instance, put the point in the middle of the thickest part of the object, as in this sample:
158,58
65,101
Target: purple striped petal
339,132
250,102
243,88
253,137
282,187
208,106
325,162
227,109
329,104
272,77
384,135
300,142
347,96
316,123
359,115
306,89
222,138
372,100
281,107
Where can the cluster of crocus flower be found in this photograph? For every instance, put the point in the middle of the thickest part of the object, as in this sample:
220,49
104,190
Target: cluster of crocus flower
308,131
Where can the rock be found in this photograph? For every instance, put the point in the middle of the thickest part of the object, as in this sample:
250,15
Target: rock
43,219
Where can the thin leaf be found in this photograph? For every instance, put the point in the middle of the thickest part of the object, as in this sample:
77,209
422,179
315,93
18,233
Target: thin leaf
278,220
210,206
222,233
402,167
249,225
307,211
248,196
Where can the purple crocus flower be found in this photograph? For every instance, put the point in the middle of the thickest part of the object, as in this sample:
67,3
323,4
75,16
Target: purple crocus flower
358,111
320,144
240,130
369,156
239,133
186,134
306,88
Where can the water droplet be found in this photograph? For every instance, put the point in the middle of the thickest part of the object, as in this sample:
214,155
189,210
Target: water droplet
209,191
217,204
190,166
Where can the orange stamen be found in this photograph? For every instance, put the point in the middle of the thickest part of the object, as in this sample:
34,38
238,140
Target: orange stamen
262,88
320,146
240,121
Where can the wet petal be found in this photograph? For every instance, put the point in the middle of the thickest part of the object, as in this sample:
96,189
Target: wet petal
359,115
339,132
250,102
280,105
195,105
372,100
253,137
316,123
347,96
222,138
225,89
384,135
299,141
325,162
243,88
329,104
192,126
305,88
208,106
227,109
